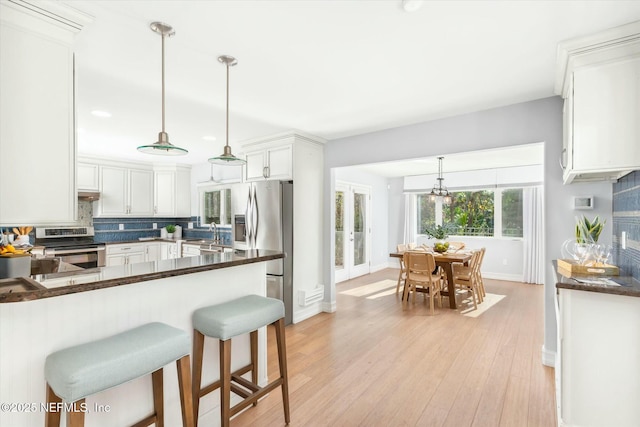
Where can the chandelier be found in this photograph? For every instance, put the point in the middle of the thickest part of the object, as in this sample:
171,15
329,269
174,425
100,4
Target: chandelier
439,190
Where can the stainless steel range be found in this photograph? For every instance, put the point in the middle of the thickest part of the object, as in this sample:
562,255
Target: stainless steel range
74,245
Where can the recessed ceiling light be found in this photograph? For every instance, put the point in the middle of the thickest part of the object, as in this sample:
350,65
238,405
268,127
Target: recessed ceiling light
99,113
209,138
411,5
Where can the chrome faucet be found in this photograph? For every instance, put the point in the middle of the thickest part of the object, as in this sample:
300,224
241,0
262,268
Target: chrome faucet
216,234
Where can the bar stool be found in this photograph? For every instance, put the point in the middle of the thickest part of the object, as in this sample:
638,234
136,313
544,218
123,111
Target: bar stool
74,373
225,321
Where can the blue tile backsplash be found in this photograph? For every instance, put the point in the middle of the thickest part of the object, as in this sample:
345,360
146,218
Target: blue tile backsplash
626,217
107,229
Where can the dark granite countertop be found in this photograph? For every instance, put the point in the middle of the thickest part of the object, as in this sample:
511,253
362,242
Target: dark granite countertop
35,287
616,285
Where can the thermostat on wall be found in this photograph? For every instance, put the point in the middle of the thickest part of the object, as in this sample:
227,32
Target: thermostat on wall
583,202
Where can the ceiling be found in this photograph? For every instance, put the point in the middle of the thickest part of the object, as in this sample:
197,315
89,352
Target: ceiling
328,68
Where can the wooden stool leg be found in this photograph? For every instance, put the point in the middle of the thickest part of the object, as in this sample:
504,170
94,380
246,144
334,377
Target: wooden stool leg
253,337
52,418
76,418
225,382
158,398
184,383
282,360
198,348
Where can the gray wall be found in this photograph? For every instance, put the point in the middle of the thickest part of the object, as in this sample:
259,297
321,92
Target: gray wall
535,121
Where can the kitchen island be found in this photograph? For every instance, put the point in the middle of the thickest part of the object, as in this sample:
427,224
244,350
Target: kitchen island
598,359
36,320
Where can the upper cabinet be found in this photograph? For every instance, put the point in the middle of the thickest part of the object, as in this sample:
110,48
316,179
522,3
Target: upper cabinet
271,160
599,78
172,192
37,112
129,189
125,192
88,177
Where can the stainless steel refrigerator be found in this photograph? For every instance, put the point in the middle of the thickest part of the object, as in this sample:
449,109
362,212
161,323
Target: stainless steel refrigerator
263,219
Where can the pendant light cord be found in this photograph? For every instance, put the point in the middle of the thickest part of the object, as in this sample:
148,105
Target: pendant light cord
227,139
163,36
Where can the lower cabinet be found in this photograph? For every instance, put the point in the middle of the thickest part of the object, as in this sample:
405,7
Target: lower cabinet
190,250
598,359
153,251
123,254
69,281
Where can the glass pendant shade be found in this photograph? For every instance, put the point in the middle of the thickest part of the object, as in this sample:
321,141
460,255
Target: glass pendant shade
162,146
227,158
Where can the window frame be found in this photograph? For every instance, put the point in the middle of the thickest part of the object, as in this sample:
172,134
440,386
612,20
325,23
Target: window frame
497,212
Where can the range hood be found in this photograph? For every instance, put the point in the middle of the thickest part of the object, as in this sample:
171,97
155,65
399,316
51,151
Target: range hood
88,195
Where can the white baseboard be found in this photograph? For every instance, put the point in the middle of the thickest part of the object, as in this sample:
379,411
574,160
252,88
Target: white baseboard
548,357
502,276
329,307
374,268
307,312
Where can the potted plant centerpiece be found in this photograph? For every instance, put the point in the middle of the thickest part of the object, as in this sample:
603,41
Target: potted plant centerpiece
170,230
440,234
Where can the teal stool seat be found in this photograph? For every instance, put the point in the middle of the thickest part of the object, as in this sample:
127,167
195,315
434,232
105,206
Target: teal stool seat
237,317
225,321
76,372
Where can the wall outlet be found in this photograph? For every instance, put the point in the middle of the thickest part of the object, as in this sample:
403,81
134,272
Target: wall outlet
120,226
190,225
155,225
623,240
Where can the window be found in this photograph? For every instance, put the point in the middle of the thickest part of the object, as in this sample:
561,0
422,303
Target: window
469,214
216,207
512,212
426,213
486,213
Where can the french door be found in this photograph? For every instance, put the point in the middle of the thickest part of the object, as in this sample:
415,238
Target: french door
352,230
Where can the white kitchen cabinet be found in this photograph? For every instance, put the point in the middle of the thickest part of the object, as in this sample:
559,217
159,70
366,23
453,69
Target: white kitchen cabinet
169,250
70,281
190,250
153,251
273,161
172,191
598,359
124,254
125,192
302,155
37,112
88,177
599,77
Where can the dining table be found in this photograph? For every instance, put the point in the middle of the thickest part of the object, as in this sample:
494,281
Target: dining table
444,260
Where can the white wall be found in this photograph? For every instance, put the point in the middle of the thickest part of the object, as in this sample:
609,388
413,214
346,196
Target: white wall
379,212
529,122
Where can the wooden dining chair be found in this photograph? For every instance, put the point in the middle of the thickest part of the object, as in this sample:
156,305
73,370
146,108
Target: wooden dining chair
479,273
403,272
420,268
466,277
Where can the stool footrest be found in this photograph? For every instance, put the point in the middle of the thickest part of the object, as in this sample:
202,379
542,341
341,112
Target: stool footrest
245,383
254,397
216,384
150,420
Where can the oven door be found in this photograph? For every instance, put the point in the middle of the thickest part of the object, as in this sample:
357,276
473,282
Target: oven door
85,258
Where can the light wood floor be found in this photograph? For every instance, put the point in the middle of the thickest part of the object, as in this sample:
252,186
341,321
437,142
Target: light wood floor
377,363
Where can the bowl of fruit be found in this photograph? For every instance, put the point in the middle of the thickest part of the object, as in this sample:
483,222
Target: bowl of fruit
441,247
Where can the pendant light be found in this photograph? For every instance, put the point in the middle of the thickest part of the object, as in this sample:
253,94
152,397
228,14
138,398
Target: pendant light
438,190
226,158
162,147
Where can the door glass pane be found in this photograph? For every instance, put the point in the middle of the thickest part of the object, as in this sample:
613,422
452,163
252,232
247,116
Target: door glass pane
359,225
339,233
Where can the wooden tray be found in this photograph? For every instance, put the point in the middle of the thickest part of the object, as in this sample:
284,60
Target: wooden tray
571,267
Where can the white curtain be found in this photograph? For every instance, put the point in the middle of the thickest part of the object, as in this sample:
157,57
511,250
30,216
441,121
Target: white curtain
410,213
533,234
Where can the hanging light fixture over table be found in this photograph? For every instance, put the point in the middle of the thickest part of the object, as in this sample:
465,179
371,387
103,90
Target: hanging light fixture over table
438,190
162,147
226,158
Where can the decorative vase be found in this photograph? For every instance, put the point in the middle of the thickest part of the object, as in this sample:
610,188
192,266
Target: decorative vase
169,235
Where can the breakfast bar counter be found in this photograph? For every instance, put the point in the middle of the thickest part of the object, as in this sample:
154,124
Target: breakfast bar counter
37,320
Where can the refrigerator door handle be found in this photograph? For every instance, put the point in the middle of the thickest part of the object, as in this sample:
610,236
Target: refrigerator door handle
256,218
248,216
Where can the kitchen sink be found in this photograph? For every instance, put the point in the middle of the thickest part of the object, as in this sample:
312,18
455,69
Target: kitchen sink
208,245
